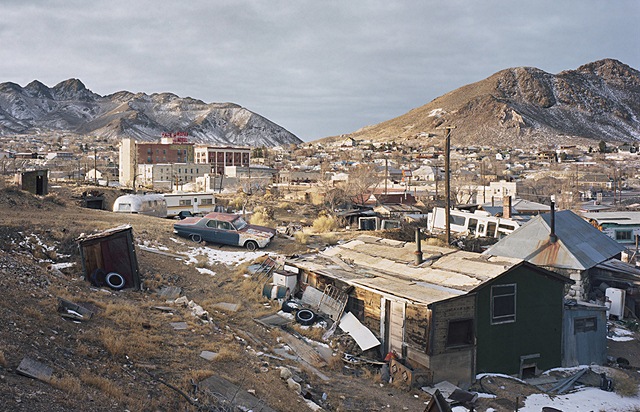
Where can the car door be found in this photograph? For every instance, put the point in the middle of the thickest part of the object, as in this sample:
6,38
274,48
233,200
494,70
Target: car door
227,234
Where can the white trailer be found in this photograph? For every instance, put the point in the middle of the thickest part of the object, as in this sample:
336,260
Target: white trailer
477,224
149,204
194,203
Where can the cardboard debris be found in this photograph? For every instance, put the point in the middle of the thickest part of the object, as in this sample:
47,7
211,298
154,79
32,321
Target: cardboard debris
34,369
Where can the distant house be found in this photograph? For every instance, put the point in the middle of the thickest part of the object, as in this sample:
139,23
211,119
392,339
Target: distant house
454,315
623,227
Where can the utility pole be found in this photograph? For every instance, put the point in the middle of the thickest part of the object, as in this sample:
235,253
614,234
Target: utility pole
447,183
386,174
95,166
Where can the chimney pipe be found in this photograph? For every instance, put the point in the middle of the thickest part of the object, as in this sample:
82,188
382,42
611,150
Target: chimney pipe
506,207
552,235
418,251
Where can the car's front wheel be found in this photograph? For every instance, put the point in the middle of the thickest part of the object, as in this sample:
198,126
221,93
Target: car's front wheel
251,245
196,238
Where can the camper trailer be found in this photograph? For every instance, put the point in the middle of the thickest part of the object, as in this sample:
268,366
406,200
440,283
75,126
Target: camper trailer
148,204
477,224
193,203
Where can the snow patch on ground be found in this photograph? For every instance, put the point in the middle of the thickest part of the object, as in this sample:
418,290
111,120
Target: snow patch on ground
222,257
621,335
206,271
586,399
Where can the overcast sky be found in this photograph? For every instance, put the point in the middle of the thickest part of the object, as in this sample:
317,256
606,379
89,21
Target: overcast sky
317,68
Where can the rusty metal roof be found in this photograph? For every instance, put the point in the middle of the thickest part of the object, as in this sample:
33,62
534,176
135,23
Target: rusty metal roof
579,245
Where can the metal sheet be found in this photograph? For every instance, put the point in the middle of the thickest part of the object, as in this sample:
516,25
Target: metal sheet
360,333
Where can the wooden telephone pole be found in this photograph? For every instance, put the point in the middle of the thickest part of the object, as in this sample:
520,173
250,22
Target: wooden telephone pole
447,183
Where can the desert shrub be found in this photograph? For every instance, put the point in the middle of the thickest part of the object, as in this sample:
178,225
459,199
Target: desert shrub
262,216
301,237
329,238
325,223
238,201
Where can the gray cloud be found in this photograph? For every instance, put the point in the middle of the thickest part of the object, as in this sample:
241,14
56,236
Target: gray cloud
315,68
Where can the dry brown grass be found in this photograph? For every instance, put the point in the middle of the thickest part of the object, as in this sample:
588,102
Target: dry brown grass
626,386
230,353
106,386
3,360
114,343
313,333
69,384
124,314
33,313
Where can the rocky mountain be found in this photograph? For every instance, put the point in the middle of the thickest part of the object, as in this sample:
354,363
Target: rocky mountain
72,108
528,107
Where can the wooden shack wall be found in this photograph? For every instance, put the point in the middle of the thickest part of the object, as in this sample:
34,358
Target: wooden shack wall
372,310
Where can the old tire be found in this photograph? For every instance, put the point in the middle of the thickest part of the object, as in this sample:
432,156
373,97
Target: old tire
195,238
97,277
251,245
114,280
305,317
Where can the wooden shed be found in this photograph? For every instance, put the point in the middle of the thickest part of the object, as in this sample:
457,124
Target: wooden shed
35,181
111,251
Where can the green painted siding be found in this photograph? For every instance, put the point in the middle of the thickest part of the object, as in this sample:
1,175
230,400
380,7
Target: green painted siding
536,330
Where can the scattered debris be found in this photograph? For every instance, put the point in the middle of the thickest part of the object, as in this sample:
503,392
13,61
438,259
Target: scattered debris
71,310
179,325
208,355
360,333
232,394
229,307
170,292
34,369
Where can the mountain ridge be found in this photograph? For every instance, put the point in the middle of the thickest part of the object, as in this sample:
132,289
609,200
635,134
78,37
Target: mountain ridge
71,107
527,106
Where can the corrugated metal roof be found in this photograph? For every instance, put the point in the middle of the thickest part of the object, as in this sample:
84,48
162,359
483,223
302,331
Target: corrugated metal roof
388,266
579,245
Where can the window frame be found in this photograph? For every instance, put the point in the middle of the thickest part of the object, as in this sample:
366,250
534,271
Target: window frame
468,341
509,318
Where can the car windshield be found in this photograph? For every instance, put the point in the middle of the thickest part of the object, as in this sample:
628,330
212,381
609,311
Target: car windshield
239,223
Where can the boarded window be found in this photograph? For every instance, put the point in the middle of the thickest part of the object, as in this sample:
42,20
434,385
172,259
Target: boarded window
503,303
585,324
460,333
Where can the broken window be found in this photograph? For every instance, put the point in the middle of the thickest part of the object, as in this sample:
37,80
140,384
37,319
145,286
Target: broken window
460,333
356,306
585,324
503,303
